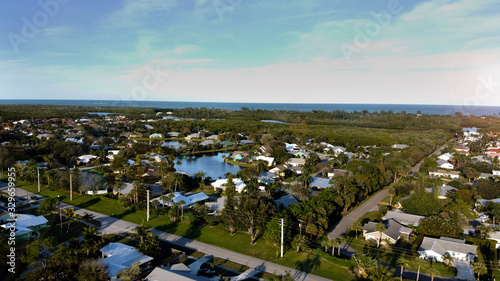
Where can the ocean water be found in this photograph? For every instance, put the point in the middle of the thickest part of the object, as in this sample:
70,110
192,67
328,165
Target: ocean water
408,108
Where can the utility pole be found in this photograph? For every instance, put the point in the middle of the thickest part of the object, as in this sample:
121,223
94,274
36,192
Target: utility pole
70,187
38,171
282,234
147,204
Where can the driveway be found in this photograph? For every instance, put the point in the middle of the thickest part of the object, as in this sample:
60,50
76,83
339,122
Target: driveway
464,270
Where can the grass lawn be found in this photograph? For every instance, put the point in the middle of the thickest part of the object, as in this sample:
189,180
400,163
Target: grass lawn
211,235
238,163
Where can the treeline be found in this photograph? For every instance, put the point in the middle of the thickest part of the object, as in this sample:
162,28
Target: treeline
383,119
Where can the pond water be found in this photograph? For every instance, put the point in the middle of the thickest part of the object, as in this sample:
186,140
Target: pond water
274,121
103,113
212,165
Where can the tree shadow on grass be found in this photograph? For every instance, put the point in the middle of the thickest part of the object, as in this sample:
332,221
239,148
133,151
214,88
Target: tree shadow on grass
312,262
193,232
170,227
89,203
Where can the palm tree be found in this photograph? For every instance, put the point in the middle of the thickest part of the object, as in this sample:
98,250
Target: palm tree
380,227
324,242
402,262
334,243
69,213
356,226
433,271
118,186
141,230
181,204
382,273
91,236
392,193
447,259
479,268
339,240
419,263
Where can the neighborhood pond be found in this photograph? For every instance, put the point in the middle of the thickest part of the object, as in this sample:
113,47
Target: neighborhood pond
212,165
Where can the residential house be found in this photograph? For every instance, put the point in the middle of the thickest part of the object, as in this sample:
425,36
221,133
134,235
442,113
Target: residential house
267,177
85,159
239,155
206,143
177,272
393,231
221,183
148,127
173,134
27,225
269,160
403,218
189,200
337,173
155,136
292,147
444,164
118,256
192,136
296,162
297,169
279,169
320,182
446,156
216,207
435,249
444,173
485,176
212,137
484,201
111,154
493,152
79,141
495,235
461,149
266,150
126,188
399,146
441,191
45,136
286,200
481,158
246,142
496,172
226,143
471,134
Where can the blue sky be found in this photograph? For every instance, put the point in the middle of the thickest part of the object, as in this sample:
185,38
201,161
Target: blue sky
391,51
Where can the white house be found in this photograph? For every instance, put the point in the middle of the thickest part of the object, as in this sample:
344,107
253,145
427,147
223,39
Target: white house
496,173
155,135
189,199
403,218
27,225
444,164
447,156
435,249
296,162
221,183
86,158
178,272
118,256
444,173
192,136
495,236
269,160
399,146
216,207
